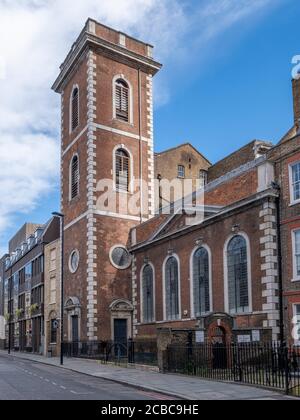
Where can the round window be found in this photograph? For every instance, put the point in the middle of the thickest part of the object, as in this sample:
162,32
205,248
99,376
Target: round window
120,257
74,261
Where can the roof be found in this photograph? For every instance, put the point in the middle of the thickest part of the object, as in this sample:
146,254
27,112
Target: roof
180,146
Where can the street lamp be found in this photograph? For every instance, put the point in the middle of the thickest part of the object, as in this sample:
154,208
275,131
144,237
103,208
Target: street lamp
61,218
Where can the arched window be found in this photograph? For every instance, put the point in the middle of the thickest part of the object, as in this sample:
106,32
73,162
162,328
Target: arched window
148,293
122,100
172,289
74,185
74,109
122,162
201,282
238,281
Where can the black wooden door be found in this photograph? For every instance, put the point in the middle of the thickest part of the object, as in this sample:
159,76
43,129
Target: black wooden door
75,335
120,336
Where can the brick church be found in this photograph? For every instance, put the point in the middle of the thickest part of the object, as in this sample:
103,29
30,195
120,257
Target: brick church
138,263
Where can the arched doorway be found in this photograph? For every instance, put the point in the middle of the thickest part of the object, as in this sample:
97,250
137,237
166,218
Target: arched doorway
73,311
219,348
218,336
121,325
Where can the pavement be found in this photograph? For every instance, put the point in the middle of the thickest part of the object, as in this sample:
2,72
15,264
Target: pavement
27,380
163,385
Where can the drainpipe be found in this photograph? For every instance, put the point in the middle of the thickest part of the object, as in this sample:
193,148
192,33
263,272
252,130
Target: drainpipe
276,186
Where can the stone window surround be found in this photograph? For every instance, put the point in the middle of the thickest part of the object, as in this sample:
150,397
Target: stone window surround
296,277
70,258
130,98
292,201
226,288
141,294
192,279
164,288
71,109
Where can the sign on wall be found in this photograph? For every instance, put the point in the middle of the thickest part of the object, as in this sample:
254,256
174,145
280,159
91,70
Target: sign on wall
244,339
255,336
200,337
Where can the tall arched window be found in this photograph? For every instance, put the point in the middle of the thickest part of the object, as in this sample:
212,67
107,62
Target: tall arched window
122,162
172,310
122,100
74,184
148,293
238,281
201,282
74,109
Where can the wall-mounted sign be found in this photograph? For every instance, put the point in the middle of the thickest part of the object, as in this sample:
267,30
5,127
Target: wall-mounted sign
200,337
244,339
255,336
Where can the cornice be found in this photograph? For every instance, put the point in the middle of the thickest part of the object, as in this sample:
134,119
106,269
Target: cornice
88,41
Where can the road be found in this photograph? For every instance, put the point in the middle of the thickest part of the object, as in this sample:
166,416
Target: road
26,380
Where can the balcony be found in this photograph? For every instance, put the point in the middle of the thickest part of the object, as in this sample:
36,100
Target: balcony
22,288
37,280
36,310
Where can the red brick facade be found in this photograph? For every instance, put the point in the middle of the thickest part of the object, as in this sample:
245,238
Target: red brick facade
243,211
240,201
96,291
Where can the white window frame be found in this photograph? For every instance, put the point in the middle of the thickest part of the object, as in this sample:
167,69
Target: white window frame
130,98
203,177
225,262
53,251
112,261
141,295
292,200
71,109
164,289
131,177
192,279
296,342
184,173
296,277
70,176
72,271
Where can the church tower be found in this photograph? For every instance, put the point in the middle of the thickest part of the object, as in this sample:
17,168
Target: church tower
107,175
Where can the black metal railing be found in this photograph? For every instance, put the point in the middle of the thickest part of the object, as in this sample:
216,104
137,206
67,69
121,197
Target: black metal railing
132,352
269,365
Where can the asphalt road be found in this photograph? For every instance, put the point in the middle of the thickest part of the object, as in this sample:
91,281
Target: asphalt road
25,380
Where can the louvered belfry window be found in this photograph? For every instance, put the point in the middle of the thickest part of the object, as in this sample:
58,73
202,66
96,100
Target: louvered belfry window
172,289
74,177
238,275
75,109
148,297
201,282
122,170
122,100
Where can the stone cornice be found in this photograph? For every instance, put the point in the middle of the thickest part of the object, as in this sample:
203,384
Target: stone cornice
88,41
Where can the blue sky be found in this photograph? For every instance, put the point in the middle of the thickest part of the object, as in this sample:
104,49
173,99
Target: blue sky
226,80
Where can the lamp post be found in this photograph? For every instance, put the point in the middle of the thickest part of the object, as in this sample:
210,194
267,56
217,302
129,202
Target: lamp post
62,219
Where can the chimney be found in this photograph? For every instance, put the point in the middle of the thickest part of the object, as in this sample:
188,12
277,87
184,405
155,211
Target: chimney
296,96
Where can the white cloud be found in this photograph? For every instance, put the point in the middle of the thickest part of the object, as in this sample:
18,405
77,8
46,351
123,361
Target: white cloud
35,36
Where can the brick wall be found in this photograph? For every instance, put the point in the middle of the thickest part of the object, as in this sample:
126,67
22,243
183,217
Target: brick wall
285,154
296,96
248,221
90,229
240,157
